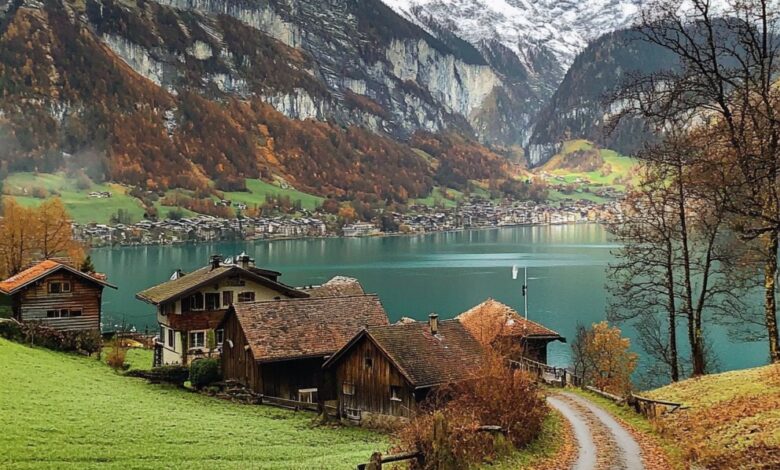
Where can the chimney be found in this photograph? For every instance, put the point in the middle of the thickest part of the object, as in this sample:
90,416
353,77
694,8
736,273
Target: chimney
433,322
216,260
244,261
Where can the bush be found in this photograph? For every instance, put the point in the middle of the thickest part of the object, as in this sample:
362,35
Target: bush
38,334
204,372
11,330
116,356
499,396
175,375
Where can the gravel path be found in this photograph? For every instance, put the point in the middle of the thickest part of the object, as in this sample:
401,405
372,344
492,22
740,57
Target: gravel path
604,444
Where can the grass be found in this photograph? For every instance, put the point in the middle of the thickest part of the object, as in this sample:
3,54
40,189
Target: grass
81,207
444,196
620,165
258,190
733,419
63,410
544,448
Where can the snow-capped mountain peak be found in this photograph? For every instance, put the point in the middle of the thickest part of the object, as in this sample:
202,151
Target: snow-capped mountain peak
562,28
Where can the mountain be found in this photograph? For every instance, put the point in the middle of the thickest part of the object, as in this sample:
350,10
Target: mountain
544,35
579,108
178,93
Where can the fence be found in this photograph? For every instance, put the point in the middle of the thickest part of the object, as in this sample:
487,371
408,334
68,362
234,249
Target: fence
548,374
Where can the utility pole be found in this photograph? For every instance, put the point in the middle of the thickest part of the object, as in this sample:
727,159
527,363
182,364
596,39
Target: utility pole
525,287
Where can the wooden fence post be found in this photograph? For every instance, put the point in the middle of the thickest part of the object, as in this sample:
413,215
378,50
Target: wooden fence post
376,462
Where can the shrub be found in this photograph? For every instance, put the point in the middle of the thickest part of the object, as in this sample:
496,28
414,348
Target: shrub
498,396
204,372
11,330
116,356
38,334
175,375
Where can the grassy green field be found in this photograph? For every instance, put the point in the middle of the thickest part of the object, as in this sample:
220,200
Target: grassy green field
81,207
620,166
66,411
258,189
539,453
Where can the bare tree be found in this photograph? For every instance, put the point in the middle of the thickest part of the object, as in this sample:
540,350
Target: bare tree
724,88
677,257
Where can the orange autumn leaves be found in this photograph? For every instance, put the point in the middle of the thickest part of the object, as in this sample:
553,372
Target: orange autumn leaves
29,234
604,358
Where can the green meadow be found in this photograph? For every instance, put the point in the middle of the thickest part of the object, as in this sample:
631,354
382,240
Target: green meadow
67,411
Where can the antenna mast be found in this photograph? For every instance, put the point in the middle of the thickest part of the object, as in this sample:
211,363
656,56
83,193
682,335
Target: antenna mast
525,291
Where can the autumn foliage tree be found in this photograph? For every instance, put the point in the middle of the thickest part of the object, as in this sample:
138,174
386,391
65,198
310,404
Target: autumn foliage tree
29,234
603,358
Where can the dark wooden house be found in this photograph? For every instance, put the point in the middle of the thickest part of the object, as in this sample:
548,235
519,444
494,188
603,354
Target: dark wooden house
501,328
384,372
278,347
56,294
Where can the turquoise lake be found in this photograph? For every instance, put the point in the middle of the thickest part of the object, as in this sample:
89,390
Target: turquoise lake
446,273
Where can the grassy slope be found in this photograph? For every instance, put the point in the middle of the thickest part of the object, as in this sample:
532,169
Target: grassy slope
733,419
81,207
258,190
621,165
84,209
68,411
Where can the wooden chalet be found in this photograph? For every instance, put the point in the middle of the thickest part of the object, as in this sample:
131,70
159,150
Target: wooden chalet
384,372
57,295
501,328
277,348
191,306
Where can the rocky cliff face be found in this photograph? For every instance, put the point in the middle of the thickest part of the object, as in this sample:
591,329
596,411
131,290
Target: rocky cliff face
366,65
580,107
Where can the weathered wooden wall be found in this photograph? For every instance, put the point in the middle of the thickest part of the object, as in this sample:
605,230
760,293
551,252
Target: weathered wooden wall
283,379
33,302
237,361
372,384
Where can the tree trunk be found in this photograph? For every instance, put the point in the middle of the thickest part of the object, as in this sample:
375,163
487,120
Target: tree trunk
672,311
770,307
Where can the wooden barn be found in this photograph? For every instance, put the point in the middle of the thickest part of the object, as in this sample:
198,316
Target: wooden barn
56,294
384,372
278,347
501,328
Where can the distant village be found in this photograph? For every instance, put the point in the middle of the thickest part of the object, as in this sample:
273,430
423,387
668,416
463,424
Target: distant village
475,213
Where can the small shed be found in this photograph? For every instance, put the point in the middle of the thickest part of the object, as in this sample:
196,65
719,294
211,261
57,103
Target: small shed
384,372
57,295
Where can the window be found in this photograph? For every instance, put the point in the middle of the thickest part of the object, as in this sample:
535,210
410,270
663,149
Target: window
368,362
162,335
169,308
62,313
197,339
212,301
307,395
348,388
219,337
246,297
395,393
227,298
171,338
196,301
59,287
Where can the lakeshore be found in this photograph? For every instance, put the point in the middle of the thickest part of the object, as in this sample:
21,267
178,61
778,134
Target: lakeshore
474,214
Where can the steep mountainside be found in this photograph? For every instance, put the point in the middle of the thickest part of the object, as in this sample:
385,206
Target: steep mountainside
580,108
157,96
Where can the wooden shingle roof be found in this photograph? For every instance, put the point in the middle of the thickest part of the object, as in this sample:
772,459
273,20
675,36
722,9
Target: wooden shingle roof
188,283
38,271
337,287
492,319
278,330
426,360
